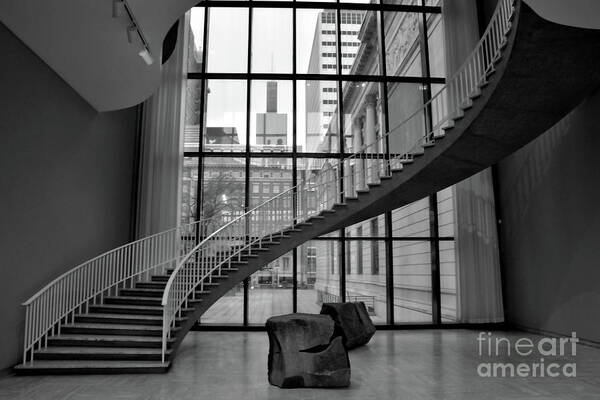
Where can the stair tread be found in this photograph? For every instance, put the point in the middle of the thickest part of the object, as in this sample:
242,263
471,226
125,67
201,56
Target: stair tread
113,326
126,316
98,350
87,364
132,306
134,298
96,337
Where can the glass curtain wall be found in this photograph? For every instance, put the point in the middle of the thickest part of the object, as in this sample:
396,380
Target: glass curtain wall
277,92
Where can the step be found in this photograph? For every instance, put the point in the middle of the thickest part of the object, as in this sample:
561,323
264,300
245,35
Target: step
99,353
373,184
476,94
143,292
133,300
78,340
71,367
460,114
165,278
465,106
304,224
362,191
328,211
263,248
316,217
351,198
170,270
385,177
407,161
113,329
131,319
129,309
340,205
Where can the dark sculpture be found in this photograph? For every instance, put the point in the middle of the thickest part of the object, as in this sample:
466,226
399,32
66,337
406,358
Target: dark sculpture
352,322
303,354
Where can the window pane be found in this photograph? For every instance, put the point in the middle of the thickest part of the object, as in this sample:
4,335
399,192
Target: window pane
225,116
195,40
229,309
223,188
363,131
191,129
445,200
406,118
411,220
365,276
271,290
273,176
318,274
271,116
228,40
448,285
272,40
360,42
316,41
402,44
412,282
373,227
437,49
320,180
189,185
317,120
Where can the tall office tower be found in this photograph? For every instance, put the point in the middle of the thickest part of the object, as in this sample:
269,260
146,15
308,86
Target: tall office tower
321,96
271,127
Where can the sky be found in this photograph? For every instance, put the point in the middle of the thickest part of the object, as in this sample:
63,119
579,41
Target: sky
271,52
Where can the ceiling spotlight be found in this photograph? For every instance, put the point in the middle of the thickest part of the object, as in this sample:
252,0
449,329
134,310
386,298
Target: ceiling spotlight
146,56
118,9
131,33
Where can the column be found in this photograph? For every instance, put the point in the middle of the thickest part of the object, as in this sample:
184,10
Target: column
370,138
359,163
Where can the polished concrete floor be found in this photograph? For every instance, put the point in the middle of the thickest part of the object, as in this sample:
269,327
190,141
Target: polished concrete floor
419,364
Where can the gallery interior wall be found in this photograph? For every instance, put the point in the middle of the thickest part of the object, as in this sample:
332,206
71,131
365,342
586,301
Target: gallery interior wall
66,175
550,208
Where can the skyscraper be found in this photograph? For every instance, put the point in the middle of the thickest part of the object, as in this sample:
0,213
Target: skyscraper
321,96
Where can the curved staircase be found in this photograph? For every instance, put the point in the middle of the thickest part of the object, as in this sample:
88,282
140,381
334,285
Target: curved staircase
524,76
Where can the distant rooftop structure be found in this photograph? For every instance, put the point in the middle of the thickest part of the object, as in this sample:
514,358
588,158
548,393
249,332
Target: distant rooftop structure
221,135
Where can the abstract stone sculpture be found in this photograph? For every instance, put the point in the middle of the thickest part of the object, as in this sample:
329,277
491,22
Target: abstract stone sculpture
352,322
303,354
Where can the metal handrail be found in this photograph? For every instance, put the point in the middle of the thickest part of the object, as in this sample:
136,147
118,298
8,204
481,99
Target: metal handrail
220,249
74,291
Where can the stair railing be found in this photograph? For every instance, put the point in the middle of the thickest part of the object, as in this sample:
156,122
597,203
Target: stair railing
247,234
428,122
90,282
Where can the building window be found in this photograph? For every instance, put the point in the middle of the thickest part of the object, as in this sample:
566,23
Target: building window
254,148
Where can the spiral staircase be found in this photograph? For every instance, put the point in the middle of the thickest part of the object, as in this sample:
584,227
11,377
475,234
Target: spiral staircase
128,310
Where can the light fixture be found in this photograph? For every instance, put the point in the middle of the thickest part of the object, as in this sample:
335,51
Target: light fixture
146,56
118,9
131,33
134,34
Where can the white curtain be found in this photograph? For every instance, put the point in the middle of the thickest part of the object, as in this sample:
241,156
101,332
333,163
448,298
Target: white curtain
479,286
161,150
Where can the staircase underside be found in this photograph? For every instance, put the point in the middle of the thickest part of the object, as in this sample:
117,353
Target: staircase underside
545,71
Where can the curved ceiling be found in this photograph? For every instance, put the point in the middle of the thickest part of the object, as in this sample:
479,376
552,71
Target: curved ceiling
88,48
579,13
